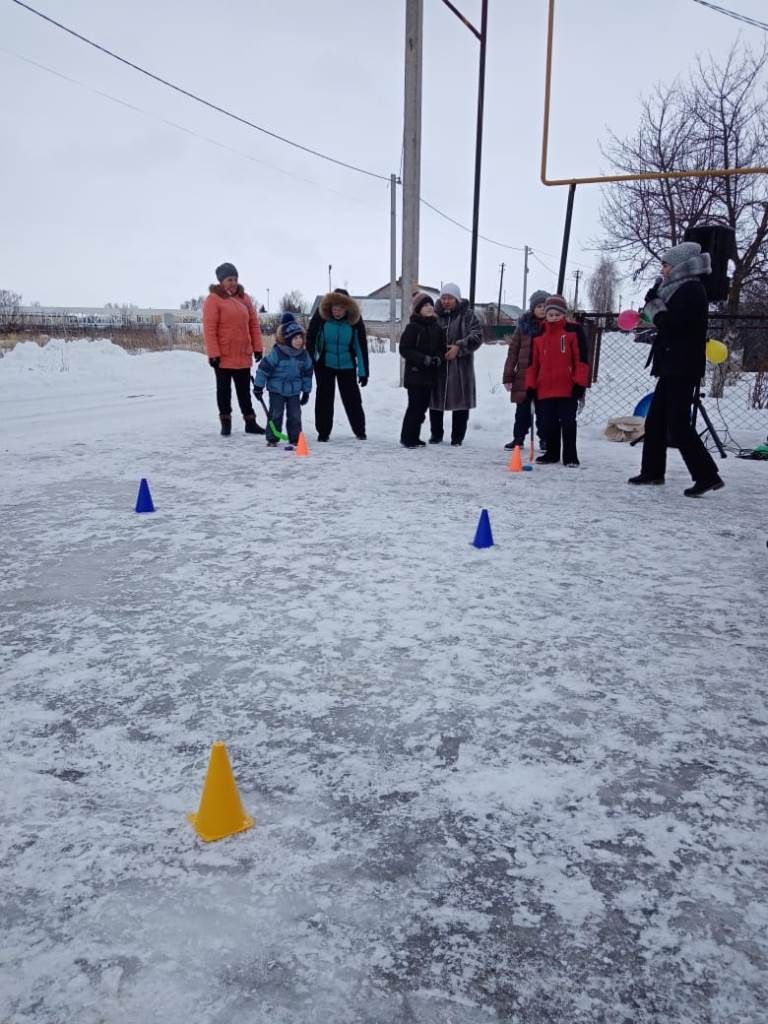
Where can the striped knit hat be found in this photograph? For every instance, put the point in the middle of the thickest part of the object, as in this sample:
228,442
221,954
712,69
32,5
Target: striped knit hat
556,302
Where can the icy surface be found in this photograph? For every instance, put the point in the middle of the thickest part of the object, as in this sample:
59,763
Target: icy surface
526,784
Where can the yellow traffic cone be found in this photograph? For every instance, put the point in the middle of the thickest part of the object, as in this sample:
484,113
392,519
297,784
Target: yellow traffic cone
221,812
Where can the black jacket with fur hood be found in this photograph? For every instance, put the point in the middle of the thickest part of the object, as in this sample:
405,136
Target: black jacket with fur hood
352,315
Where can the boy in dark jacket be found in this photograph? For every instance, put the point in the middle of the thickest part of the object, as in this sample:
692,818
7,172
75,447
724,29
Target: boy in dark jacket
557,378
287,374
422,346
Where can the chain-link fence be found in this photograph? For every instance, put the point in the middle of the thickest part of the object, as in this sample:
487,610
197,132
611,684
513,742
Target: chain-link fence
734,394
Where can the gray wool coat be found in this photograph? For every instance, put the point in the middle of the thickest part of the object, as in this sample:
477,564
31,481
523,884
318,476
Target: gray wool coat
455,388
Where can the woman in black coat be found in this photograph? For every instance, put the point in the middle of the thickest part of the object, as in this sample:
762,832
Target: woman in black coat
423,347
677,306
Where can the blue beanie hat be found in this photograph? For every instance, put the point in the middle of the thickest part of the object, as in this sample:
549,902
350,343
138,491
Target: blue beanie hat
289,327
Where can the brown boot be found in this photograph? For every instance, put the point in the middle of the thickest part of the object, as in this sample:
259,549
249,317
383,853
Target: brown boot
226,425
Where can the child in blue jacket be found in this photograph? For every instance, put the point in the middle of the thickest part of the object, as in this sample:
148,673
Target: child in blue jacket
286,373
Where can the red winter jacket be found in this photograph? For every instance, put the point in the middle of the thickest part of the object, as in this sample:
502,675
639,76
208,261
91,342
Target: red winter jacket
557,364
231,328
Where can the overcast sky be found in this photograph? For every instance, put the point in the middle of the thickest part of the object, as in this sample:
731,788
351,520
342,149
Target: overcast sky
103,203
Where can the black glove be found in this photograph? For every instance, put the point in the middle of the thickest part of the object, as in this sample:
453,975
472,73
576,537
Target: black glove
652,293
363,381
530,394
257,357
258,392
577,391
304,398
214,362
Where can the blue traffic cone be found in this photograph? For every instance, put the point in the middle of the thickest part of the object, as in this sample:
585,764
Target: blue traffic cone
483,535
144,498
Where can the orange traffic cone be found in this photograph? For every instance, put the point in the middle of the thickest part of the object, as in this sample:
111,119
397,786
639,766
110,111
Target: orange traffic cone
302,448
516,460
221,812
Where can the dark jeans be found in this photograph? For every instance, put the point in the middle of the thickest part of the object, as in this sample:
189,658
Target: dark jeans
352,401
458,424
242,381
418,403
670,417
523,418
558,416
279,404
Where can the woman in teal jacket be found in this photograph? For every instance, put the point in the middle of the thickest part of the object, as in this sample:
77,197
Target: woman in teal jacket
337,342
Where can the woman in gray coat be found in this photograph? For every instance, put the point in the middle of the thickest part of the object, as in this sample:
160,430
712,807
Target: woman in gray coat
455,388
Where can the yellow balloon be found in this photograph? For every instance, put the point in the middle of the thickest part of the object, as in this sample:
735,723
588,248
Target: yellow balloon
717,352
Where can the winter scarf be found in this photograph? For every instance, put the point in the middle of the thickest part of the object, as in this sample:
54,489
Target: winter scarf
691,270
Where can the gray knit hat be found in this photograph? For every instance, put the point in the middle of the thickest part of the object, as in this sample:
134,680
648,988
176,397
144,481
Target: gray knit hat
226,270
451,289
537,299
681,253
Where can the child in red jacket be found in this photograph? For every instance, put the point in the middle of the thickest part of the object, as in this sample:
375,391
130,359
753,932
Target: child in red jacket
557,379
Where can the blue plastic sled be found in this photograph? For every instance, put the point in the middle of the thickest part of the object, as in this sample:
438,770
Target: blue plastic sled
642,407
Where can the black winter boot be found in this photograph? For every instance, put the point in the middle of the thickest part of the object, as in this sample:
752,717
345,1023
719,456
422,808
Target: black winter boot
252,427
226,425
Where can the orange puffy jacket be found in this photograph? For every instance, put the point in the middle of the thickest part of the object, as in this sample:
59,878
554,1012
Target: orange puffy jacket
556,364
231,328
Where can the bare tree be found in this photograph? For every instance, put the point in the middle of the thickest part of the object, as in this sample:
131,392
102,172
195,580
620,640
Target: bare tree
10,309
718,118
294,302
193,304
602,286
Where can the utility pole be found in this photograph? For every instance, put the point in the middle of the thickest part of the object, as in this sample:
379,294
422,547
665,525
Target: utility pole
330,268
526,251
392,259
577,275
414,31
501,283
267,299
478,151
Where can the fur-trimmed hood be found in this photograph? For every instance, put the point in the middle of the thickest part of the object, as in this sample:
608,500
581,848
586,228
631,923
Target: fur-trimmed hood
216,289
339,299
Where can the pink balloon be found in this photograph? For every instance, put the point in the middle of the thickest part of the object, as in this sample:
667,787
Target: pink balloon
628,319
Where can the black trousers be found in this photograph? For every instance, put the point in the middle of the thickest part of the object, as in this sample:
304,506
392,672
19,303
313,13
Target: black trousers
350,397
558,418
458,424
670,420
418,403
242,381
523,419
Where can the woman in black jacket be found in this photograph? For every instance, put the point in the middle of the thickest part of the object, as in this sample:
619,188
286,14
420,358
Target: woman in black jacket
423,347
677,306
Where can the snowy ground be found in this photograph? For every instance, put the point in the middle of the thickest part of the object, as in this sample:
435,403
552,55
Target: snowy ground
525,784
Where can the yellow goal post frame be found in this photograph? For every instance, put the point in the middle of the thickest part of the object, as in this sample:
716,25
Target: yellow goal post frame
716,172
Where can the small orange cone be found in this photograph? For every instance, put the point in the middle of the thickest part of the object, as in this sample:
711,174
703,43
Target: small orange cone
516,460
302,448
221,812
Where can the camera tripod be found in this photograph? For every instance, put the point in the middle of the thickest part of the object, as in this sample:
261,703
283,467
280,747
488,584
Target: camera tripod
698,409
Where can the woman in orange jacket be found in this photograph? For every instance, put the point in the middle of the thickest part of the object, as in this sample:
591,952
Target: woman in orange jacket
232,337
557,379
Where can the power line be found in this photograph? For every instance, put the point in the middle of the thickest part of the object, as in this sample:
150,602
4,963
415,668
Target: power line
733,14
501,245
176,125
199,99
